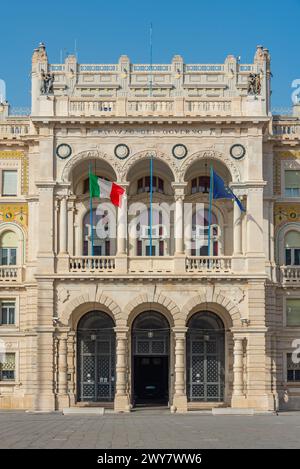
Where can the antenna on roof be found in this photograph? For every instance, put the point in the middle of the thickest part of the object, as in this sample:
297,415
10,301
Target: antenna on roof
75,48
151,77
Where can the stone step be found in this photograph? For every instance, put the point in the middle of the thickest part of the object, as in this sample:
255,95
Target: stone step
83,410
231,411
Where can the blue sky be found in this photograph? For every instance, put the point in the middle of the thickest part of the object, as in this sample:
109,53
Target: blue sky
201,31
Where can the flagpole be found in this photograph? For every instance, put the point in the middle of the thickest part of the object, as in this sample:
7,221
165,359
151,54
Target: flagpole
151,158
151,202
91,211
211,191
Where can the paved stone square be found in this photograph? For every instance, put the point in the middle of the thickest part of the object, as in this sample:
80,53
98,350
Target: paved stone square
148,429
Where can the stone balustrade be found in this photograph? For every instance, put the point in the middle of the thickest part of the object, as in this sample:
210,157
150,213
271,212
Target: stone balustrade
208,264
91,264
10,274
286,130
164,265
290,274
91,108
13,129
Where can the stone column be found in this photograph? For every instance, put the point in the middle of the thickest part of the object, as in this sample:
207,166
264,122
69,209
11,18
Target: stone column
237,230
122,228
71,345
121,261
238,358
179,254
122,403
63,398
179,398
63,226
178,225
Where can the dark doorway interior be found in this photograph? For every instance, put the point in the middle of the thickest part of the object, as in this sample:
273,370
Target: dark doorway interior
151,380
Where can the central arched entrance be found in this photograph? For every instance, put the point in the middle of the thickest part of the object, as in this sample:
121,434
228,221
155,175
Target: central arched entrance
150,359
96,352
205,358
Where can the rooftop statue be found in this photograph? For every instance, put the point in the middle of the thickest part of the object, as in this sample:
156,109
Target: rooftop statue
254,84
47,83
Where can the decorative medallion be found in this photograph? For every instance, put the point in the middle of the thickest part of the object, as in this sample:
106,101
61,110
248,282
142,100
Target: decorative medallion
179,151
286,214
17,213
63,151
122,151
237,151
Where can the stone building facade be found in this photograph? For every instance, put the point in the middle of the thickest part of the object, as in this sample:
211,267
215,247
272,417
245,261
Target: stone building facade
123,328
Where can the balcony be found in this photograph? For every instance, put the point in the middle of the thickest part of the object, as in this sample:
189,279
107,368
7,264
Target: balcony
10,274
155,265
290,275
206,265
92,264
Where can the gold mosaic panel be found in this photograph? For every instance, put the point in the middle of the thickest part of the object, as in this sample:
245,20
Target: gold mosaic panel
286,213
14,213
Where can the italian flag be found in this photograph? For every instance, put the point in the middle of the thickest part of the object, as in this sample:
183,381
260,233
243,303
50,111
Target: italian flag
106,190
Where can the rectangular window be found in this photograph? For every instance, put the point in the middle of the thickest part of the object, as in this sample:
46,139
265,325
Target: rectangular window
293,369
9,183
7,366
8,256
292,183
293,312
8,312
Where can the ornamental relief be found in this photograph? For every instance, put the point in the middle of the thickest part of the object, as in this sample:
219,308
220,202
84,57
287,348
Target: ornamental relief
87,155
17,213
284,214
214,155
177,167
127,165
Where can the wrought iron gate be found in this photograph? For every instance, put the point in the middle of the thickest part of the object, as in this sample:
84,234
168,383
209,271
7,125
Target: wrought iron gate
205,367
96,365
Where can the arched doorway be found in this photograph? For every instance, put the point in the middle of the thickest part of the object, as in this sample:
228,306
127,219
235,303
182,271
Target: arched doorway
150,359
96,353
205,358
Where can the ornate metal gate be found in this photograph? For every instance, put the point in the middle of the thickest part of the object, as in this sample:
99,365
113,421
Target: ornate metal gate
205,358
96,358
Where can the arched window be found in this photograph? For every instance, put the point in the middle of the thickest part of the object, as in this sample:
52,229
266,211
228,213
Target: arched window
143,184
102,234
8,248
292,248
200,229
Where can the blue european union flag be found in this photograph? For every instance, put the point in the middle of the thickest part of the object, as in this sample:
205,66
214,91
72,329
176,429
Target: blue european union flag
220,191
